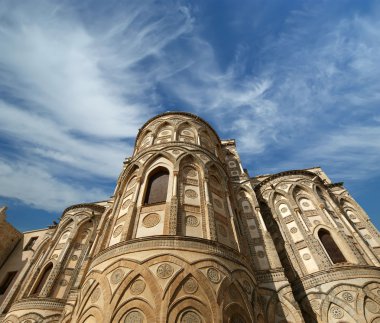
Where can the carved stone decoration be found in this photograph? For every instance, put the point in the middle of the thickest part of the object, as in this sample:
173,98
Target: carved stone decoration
63,282
191,194
316,222
348,297
247,286
117,231
218,203
222,230
293,230
176,152
190,286
117,276
372,307
126,204
189,172
65,236
190,317
151,220
260,254
315,305
137,287
74,257
95,295
165,271
134,317
192,221
306,256
284,210
213,275
367,237
336,312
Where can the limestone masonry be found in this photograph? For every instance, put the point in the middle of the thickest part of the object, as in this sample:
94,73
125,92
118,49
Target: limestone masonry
189,237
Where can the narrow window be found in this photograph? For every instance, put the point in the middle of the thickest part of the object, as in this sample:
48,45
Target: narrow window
30,244
331,248
7,281
43,279
157,187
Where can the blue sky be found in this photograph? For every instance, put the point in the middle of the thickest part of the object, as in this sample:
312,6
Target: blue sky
296,83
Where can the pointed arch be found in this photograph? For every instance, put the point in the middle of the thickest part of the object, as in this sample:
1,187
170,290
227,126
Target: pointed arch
42,279
331,247
187,133
157,186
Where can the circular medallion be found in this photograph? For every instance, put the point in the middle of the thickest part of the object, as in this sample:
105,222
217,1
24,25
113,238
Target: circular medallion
190,286
247,208
187,133
151,220
95,295
306,256
117,231
293,230
191,194
165,270
65,236
55,256
176,152
284,210
74,257
213,275
340,225
347,297
191,317
192,221
222,230
63,282
165,133
126,204
372,307
352,216
305,204
316,222
336,312
137,287
117,276
203,157
260,254
231,164
283,186
134,317
367,237
218,204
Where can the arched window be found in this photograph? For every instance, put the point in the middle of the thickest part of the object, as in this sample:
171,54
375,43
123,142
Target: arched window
331,248
43,279
157,187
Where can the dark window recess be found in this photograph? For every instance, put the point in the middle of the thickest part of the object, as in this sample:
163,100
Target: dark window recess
157,187
30,244
7,281
331,247
43,279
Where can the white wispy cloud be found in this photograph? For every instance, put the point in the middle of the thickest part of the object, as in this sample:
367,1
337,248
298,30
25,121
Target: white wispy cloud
73,93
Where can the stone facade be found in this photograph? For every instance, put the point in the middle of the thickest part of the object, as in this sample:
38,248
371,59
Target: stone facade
189,237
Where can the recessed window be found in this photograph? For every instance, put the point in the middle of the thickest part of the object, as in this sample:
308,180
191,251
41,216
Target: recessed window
157,187
31,243
331,247
7,281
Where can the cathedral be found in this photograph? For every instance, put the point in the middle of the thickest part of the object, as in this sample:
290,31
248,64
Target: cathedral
189,237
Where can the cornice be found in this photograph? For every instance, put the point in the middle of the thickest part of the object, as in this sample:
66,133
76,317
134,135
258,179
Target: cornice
187,114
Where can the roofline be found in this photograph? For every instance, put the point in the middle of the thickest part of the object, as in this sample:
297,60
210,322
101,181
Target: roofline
188,114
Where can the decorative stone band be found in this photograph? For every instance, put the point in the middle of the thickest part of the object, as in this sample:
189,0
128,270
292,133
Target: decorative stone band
39,303
275,275
173,243
336,274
